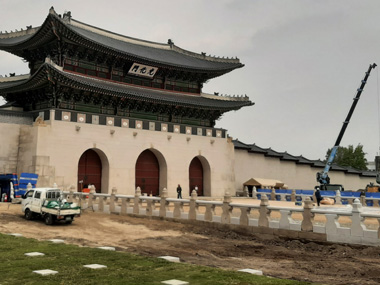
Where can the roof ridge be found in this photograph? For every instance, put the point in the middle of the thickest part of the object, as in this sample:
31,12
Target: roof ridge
67,19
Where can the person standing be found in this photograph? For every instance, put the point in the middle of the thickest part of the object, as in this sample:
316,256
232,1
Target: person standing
179,192
318,196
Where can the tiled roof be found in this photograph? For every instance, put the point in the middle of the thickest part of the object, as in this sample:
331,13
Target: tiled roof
299,159
145,52
124,90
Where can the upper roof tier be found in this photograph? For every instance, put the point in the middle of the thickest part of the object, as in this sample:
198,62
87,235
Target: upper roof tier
170,56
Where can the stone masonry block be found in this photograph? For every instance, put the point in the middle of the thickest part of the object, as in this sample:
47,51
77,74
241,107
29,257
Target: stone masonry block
48,170
40,160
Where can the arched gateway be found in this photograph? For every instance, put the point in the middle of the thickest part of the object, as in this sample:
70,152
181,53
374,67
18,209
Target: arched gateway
90,170
148,173
196,176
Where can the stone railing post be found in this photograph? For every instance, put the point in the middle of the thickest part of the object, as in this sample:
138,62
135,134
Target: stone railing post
264,212
92,189
178,210
123,209
286,219
113,200
163,202
91,199
149,209
362,200
273,194
293,195
226,209
193,208
332,224
210,211
245,191
70,197
357,226
254,192
137,201
101,204
307,221
338,198
244,215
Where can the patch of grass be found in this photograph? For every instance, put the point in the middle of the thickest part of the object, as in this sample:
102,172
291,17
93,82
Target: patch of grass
122,268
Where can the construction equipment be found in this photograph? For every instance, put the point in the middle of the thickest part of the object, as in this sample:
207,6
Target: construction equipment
14,187
322,177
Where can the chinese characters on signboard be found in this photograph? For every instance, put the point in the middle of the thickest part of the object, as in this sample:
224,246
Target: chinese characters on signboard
142,70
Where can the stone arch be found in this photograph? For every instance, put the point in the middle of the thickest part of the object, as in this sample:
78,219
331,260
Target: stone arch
200,176
151,172
93,168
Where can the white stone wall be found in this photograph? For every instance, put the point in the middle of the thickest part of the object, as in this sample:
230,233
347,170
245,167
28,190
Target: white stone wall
52,149
9,143
59,145
295,176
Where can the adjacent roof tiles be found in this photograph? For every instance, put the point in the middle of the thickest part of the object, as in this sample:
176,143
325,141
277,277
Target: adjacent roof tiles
298,159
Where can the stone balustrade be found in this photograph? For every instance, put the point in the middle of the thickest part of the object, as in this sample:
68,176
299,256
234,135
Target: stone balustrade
341,198
361,225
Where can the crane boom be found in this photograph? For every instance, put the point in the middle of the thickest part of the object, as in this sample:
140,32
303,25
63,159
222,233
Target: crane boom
322,177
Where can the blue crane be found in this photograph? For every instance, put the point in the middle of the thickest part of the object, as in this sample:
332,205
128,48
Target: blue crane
322,177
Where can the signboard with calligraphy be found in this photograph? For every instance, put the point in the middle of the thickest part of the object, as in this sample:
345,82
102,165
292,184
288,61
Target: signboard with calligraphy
142,70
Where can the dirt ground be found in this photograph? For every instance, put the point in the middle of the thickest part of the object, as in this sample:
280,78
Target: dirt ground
282,258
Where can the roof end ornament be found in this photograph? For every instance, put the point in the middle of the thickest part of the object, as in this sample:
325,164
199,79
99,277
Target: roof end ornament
52,11
67,16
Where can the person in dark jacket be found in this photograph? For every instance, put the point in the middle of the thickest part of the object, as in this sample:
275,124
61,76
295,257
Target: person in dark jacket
179,192
318,196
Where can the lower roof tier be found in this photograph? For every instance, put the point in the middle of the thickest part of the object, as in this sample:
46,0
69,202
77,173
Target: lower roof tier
99,91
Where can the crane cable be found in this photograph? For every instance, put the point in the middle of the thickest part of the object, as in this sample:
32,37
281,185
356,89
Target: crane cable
378,108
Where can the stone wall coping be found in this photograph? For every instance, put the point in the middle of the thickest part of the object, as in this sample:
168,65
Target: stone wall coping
370,215
203,202
124,196
177,200
292,209
341,212
150,198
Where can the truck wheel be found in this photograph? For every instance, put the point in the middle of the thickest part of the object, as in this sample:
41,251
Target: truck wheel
48,219
28,214
68,222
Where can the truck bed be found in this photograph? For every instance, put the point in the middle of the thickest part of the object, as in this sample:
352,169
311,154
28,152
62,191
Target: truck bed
61,211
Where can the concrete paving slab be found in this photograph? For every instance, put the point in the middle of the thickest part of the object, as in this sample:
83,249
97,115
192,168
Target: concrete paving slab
174,282
251,271
45,272
95,266
34,254
107,248
16,235
57,240
170,258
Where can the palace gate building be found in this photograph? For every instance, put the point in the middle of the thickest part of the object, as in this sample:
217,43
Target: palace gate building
113,111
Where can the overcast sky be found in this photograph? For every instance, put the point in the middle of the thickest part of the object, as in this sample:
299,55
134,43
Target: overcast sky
304,60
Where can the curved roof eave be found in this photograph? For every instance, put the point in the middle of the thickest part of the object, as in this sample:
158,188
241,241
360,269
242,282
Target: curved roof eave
122,90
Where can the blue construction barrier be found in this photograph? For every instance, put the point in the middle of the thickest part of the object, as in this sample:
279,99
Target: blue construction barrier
26,178
265,191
